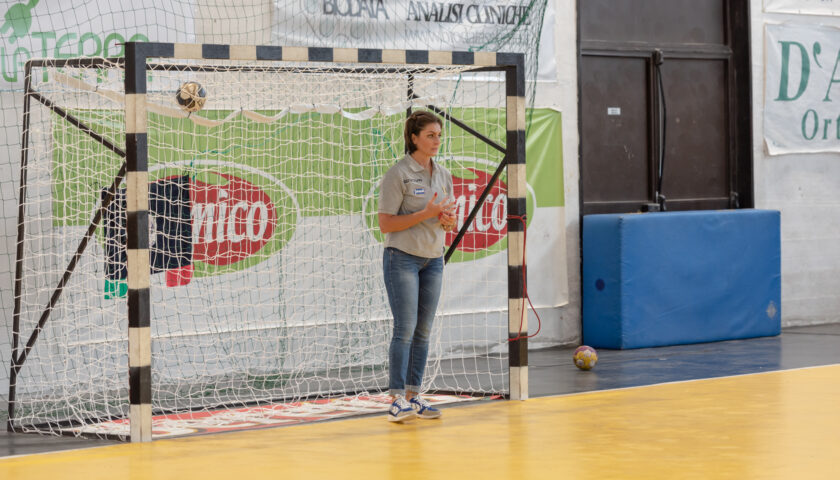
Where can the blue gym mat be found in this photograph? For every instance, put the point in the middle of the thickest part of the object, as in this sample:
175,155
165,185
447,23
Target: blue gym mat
673,278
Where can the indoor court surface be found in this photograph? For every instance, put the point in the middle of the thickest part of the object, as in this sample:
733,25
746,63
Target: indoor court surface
762,408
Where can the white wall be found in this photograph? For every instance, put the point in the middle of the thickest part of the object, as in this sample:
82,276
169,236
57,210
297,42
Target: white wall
806,189
563,95
244,22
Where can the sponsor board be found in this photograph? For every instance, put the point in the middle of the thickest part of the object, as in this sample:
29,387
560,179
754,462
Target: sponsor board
44,29
239,216
801,67
472,25
249,191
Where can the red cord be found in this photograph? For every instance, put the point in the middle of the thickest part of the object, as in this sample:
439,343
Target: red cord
525,284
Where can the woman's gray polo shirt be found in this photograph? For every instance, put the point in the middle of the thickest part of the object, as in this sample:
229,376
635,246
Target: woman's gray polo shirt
406,188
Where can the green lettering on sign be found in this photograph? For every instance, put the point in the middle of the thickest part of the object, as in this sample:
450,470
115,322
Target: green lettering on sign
803,79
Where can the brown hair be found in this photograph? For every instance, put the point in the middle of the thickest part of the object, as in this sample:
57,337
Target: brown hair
416,122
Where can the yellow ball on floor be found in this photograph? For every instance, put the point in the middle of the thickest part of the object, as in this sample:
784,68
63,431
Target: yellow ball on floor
585,357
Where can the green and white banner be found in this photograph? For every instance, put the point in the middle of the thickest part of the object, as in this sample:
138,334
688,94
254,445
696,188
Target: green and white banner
258,198
802,89
83,28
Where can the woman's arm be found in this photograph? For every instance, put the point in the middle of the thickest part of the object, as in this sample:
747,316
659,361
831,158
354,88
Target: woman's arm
396,223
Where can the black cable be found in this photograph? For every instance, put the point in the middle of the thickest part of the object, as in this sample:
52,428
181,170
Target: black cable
658,59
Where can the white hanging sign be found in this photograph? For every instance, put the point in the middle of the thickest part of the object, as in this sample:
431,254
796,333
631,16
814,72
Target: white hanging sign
802,89
805,7
469,25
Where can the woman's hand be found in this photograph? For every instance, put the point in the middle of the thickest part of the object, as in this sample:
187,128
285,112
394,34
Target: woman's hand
447,218
396,223
436,209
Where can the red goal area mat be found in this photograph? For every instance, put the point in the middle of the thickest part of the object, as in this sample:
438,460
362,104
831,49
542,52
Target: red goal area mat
252,418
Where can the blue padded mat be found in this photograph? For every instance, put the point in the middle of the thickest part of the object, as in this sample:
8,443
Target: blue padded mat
673,278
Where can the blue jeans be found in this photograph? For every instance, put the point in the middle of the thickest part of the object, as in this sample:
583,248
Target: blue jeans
413,285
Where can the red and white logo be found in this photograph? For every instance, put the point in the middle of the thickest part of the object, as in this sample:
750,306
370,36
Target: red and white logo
229,222
490,224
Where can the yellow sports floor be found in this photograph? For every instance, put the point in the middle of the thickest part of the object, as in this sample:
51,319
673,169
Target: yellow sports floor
778,425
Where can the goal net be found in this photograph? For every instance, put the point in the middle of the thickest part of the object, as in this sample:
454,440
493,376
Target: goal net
265,258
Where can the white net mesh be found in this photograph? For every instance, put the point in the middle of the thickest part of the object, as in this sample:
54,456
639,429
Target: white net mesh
265,251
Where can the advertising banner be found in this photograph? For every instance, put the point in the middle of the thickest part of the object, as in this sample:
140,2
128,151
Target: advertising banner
458,25
83,28
254,210
801,89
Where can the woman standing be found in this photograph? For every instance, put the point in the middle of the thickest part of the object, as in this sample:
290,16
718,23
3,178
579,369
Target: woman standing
415,212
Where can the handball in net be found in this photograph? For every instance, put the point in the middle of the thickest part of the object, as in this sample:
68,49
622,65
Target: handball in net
191,96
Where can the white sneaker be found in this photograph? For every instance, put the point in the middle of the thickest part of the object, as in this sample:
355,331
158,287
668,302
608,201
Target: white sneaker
401,410
423,409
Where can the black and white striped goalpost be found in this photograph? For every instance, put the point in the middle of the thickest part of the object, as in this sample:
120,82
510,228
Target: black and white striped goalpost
137,54
137,248
517,188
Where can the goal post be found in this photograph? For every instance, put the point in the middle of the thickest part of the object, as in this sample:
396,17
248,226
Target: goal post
324,122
